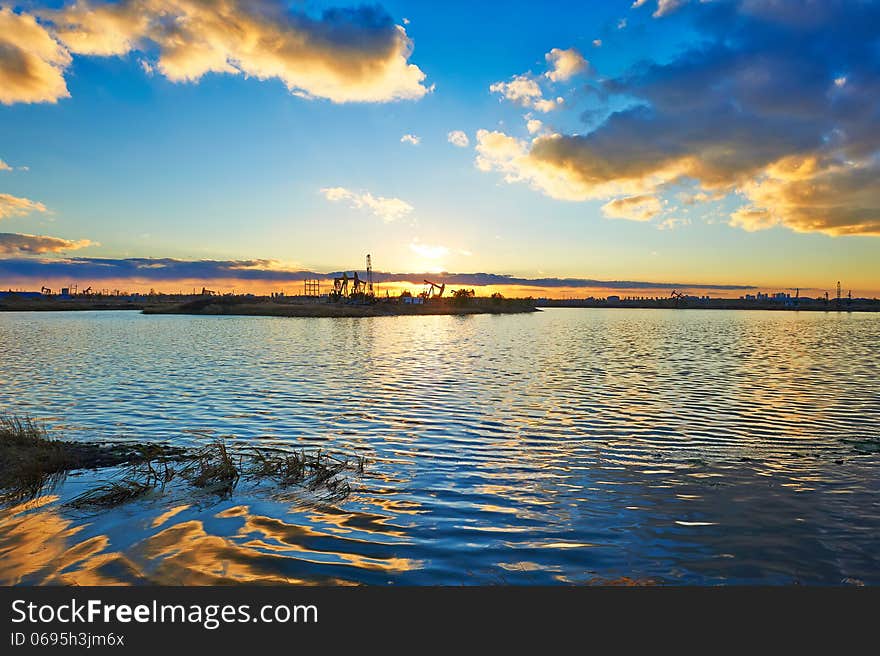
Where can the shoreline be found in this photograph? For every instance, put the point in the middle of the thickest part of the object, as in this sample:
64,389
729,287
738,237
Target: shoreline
337,310
250,306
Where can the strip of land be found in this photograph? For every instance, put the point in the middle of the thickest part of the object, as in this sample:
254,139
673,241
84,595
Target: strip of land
234,305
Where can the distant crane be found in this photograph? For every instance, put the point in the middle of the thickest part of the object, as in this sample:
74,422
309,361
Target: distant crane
677,297
46,291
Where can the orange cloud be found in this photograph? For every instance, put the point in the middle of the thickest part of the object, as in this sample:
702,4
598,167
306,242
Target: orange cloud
14,206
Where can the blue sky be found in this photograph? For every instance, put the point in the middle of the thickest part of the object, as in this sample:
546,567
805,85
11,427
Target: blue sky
229,167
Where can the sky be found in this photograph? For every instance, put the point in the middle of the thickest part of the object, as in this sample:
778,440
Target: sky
560,148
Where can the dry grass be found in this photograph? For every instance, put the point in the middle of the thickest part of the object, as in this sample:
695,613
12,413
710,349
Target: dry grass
312,471
32,462
213,469
137,481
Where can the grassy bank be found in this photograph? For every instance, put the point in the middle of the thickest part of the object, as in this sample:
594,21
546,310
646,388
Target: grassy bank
32,463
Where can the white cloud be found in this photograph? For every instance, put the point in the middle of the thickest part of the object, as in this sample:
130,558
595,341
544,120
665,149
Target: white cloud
32,63
621,24
458,138
4,166
411,139
428,251
665,7
534,126
564,64
673,223
525,91
520,89
597,43
21,244
13,206
387,209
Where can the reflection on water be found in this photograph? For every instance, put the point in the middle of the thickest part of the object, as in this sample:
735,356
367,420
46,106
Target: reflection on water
569,446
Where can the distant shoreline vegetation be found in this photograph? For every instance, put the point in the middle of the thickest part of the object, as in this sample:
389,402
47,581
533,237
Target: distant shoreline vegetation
464,304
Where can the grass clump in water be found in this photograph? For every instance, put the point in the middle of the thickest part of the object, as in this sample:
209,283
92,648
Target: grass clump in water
31,462
136,482
214,469
312,471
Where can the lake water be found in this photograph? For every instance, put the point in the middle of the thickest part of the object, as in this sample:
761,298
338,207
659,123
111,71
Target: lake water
567,446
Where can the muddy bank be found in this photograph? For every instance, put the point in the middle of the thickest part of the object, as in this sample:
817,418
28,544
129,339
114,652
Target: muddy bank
249,307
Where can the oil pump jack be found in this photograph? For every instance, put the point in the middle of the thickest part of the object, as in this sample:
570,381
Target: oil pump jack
433,289
353,288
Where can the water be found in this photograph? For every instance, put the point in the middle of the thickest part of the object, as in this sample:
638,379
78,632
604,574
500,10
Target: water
567,446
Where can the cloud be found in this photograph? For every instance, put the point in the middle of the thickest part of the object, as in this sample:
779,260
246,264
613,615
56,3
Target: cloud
525,91
32,63
387,209
665,7
756,112
411,139
458,138
672,223
428,251
345,55
13,206
633,208
169,269
597,43
564,64
4,166
18,244
534,126
836,199
520,89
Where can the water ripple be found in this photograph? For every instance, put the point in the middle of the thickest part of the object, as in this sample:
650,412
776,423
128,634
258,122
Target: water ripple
568,446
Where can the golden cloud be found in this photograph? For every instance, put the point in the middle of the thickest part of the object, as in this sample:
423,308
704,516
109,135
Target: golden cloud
633,208
32,63
17,244
13,206
835,199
